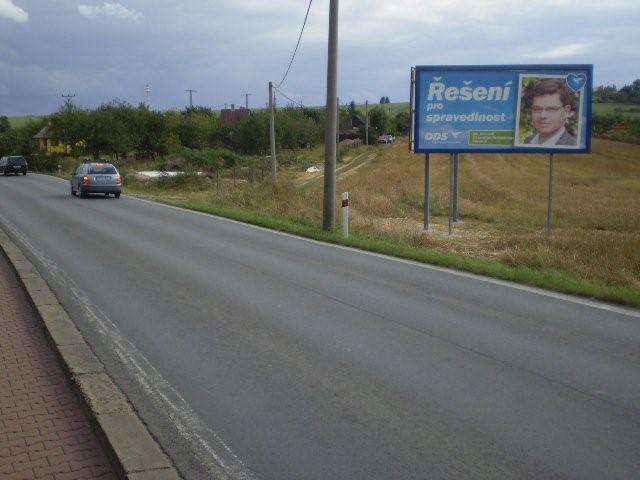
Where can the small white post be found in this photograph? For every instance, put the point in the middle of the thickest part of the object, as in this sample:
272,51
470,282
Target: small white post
345,215
59,170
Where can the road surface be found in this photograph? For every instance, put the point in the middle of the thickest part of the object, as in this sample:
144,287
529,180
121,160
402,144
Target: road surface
258,355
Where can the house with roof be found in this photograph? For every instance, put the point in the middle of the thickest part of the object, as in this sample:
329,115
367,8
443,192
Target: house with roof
46,143
350,128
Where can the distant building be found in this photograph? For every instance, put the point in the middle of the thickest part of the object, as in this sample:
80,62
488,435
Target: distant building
47,144
351,126
233,115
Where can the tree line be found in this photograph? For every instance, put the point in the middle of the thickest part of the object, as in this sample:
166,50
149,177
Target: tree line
119,129
610,93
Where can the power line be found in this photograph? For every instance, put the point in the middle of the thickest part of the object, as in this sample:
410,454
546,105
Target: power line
288,98
297,45
246,99
191,92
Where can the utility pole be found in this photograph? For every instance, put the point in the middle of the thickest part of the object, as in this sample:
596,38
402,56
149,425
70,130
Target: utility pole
67,98
366,122
246,100
329,200
338,128
147,91
191,92
272,132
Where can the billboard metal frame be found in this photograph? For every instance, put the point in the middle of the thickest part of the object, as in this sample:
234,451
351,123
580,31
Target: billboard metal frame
417,105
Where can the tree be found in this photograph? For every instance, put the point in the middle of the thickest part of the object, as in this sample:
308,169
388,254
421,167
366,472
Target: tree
4,124
149,133
251,135
379,120
402,121
70,125
19,141
294,129
107,133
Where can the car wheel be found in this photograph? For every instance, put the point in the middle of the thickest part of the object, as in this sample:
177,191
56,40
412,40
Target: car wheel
117,195
73,192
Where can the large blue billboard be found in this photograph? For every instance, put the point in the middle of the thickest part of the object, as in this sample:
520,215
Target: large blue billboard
502,108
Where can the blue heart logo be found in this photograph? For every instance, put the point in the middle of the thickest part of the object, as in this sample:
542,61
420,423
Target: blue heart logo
576,81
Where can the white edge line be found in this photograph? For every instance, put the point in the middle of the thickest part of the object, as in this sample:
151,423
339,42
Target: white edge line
494,281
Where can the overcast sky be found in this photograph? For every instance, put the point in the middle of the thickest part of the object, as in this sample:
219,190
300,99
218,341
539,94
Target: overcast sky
102,51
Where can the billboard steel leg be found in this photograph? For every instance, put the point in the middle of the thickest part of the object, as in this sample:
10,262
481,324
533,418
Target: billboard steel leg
550,199
451,194
456,188
427,190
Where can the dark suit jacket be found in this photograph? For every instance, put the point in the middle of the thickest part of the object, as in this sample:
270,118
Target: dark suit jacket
565,139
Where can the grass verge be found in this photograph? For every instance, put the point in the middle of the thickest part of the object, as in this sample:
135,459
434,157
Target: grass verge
545,278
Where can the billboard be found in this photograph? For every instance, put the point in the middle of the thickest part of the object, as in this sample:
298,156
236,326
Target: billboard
502,108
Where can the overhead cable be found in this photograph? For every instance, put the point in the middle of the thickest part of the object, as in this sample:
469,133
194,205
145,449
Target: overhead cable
297,45
289,98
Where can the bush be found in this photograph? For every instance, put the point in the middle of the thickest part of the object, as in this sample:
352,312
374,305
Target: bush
45,163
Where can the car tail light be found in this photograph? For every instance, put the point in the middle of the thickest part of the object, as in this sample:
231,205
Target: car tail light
118,180
85,180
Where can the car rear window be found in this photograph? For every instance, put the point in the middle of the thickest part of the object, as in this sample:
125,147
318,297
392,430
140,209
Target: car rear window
17,161
102,169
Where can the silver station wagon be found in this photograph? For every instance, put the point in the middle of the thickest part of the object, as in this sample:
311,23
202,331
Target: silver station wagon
96,177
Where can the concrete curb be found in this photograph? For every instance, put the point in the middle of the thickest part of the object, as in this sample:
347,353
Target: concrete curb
134,452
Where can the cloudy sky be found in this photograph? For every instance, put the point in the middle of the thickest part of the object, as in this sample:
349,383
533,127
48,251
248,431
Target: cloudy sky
104,50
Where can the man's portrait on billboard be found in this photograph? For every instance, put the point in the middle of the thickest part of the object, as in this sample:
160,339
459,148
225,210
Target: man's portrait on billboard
548,114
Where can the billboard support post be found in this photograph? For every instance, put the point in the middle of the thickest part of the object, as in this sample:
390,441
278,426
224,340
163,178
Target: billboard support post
550,197
451,193
427,190
456,163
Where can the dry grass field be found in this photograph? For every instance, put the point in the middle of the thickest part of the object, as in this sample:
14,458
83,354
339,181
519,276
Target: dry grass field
503,208
503,205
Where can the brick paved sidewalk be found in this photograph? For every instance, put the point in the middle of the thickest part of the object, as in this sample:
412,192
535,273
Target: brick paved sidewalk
44,433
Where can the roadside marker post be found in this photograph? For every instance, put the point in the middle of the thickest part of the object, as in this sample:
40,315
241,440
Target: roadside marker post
345,215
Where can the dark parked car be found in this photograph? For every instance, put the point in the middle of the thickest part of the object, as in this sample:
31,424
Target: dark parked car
95,177
13,164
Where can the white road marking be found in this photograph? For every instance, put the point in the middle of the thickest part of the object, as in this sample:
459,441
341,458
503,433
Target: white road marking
503,283
494,281
212,452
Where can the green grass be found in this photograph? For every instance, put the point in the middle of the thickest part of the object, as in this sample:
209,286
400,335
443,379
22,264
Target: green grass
17,122
629,110
626,109
544,277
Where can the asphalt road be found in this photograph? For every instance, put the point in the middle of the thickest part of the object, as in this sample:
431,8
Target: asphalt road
253,354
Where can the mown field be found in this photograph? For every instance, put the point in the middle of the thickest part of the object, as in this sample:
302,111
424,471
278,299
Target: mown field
594,248
17,122
628,110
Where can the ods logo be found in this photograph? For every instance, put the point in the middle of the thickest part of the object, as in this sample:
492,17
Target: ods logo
442,136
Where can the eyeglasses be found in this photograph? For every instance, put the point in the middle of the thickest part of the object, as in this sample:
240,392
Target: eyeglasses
539,110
